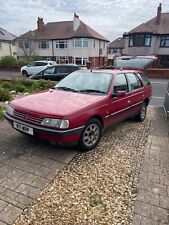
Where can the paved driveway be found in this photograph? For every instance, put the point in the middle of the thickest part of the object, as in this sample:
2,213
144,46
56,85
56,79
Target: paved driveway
26,166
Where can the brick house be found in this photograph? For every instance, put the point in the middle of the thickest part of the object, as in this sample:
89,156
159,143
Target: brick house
65,42
150,38
7,47
115,48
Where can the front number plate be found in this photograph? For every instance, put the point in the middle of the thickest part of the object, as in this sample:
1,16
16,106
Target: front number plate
23,128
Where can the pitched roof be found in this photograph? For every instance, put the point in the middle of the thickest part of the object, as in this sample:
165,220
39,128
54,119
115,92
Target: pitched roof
152,27
118,43
6,36
63,30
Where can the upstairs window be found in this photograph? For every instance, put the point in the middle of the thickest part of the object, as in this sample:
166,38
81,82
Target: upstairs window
139,40
23,44
164,41
43,44
61,44
80,42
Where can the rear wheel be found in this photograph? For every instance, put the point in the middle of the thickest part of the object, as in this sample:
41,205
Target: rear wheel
91,135
141,115
24,73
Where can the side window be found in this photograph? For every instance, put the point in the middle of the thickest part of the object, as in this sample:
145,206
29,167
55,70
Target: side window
120,83
63,69
134,81
41,64
73,68
33,64
144,79
50,70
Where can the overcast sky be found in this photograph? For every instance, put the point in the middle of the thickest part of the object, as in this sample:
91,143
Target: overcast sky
111,18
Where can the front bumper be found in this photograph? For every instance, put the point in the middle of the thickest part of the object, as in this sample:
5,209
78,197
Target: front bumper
63,137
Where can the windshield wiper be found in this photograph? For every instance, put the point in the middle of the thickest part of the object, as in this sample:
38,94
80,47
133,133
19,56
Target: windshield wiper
92,91
65,89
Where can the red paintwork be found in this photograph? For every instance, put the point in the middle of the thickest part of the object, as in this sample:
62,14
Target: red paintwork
79,108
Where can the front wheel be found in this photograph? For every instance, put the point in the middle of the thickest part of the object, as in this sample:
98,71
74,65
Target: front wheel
91,135
142,113
25,73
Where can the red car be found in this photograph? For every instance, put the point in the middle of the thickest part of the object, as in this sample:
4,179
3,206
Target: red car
81,106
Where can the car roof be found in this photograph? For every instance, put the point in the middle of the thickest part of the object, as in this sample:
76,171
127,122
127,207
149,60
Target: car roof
116,71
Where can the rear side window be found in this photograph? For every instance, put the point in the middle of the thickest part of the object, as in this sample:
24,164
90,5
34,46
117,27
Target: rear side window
135,83
120,83
144,79
63,69
73,68
41,63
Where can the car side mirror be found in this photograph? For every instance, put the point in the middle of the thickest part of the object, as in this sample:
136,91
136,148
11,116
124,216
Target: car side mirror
119,94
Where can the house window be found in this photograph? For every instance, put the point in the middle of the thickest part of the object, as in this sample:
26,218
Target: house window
100,51
43,44
61,44
0,46
114,50
94,45
62,60
80,42
23,44
139,40
80,61
164,41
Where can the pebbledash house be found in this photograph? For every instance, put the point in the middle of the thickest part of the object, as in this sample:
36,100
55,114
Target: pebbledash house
65,42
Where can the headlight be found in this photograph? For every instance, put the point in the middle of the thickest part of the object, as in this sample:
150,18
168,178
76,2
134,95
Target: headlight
10,110
55,123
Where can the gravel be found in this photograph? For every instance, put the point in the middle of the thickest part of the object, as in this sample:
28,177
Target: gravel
97,187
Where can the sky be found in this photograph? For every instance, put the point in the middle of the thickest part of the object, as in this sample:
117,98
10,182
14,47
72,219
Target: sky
111,18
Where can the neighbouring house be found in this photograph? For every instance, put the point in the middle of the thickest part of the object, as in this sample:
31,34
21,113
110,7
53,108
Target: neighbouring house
150,38
65,42
115,48
7,47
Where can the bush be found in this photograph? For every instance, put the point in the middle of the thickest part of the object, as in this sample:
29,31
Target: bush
6,85
8,60
160,66
43,84
19,88
26,82
5,95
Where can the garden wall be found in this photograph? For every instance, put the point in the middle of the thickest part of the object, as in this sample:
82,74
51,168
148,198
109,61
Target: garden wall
157,73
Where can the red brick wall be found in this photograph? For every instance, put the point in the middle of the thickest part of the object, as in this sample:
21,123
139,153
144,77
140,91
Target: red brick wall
157,73
97,61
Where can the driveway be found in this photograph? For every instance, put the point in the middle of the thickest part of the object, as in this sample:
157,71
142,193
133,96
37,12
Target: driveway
26,166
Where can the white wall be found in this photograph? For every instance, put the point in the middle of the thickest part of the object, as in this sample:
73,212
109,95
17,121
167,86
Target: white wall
7,49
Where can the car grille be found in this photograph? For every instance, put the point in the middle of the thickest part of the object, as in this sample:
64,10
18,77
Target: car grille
27,118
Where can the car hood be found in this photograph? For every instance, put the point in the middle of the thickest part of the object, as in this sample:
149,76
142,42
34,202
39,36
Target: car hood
55,102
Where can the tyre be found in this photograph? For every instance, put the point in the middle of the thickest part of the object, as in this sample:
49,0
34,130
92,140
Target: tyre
24,73
141,115
91,135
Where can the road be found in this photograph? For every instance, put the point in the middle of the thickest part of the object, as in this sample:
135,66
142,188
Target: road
159,87
9,75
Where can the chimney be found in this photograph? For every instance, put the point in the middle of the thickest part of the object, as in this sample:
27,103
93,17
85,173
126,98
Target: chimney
40,24
76,22
158,19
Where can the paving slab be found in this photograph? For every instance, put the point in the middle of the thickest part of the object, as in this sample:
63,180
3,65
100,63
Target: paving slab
27,165
152,203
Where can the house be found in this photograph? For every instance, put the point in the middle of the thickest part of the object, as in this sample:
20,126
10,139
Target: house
65,42
7,47
115,48
150,38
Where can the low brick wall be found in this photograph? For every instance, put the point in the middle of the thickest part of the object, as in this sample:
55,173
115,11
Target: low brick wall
14,68
157,73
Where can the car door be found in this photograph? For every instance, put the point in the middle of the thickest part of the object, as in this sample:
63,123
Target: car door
31,68
40,66
50,73
63,71
137,92
119,104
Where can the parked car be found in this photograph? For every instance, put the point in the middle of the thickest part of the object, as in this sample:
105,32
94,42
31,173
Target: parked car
55,73
79,108
36,67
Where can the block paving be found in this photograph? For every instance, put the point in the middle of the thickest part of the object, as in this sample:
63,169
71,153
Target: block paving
27,165
152,203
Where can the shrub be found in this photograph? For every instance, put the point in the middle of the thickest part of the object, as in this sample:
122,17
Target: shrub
43,84
6,85
160,66
5,95
26,82
19,88
8,60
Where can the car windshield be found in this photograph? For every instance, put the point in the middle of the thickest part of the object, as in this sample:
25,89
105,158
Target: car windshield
133,62
86,82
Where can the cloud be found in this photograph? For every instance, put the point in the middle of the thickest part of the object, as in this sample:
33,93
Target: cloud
111,18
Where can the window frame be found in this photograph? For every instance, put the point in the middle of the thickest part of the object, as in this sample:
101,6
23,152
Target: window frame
134,37
43,44
138,81
58,44
83,61
164,39
81,41
126,82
